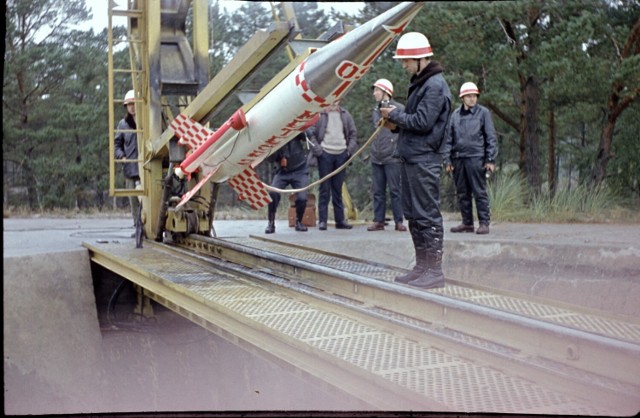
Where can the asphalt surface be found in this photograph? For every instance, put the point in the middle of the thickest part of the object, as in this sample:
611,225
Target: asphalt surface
596,266
56,347
26,236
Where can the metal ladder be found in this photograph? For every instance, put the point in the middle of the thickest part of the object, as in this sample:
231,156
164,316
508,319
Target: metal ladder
138,80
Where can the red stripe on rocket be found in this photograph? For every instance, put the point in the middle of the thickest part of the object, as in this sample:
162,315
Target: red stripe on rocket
251,135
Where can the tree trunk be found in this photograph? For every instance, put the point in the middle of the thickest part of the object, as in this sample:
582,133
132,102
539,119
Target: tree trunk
551,155
622,96
604,152
530,140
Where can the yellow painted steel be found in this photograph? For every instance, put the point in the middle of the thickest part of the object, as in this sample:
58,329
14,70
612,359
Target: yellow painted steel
416,359
228,79
135,74
151,25
144,38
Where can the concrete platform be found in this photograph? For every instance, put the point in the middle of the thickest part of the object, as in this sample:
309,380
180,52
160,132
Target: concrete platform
55,353
25,236
593,265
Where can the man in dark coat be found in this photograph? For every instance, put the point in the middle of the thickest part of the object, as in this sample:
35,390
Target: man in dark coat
470,153
126,148
422,127
291,170
385,163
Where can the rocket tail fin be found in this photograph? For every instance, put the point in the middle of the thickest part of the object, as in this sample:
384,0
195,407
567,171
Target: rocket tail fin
250,188
190,132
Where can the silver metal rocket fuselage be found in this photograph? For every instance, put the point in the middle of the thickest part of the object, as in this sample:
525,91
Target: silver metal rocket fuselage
348,58
322,78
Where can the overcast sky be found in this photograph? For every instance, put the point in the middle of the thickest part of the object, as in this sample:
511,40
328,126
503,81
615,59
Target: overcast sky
100,19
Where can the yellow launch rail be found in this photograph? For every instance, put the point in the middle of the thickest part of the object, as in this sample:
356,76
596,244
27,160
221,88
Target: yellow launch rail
395,348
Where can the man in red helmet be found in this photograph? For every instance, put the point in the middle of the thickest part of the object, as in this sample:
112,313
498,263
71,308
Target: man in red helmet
421,127
470,153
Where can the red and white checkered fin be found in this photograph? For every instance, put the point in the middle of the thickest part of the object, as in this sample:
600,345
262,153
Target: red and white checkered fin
187,196
250,188
191,133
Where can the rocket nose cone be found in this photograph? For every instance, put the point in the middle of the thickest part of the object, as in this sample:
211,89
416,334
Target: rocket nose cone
347,59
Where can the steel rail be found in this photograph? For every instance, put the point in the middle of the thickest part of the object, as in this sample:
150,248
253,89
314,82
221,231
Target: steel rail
531,338
244,332
510,369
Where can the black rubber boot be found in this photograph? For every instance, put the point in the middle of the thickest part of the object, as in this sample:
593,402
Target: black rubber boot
417,271
430,279
420,248
271,226
301,205
433,277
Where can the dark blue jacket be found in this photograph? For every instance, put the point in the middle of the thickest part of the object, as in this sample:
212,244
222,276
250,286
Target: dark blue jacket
471,134
126,146
316,134
424,120
295,151
383,148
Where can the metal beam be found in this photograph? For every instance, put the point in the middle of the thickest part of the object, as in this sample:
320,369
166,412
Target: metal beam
250,56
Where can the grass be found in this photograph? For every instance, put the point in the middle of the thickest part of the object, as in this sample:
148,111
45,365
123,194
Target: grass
23,212
508,196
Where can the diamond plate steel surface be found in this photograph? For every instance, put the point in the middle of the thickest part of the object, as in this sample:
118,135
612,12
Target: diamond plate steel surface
595,324
336,262
416,366
599,325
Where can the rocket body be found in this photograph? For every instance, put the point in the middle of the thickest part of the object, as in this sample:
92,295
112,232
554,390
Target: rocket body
322,78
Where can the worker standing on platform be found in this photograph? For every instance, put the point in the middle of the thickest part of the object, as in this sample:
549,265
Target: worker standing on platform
126,148
291,170
333,139
385,163
470,153
422,126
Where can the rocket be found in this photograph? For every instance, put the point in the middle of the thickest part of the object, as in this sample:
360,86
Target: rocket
232,152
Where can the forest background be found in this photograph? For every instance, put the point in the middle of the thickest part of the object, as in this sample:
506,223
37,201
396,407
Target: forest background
561,78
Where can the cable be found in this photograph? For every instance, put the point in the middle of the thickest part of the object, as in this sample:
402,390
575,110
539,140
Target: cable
334,172
113,299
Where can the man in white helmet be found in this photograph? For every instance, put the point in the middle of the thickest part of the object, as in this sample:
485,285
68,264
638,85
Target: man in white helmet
421,126
385,163
470,153
126,147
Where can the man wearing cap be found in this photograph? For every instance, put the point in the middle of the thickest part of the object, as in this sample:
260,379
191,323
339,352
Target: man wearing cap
421,126
385,163
470,153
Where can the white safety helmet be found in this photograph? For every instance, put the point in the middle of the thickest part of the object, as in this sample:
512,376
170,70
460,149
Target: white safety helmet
129,97
469,88
384,85
413,45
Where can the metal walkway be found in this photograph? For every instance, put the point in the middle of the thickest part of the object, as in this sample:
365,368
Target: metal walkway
355,346
597,324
